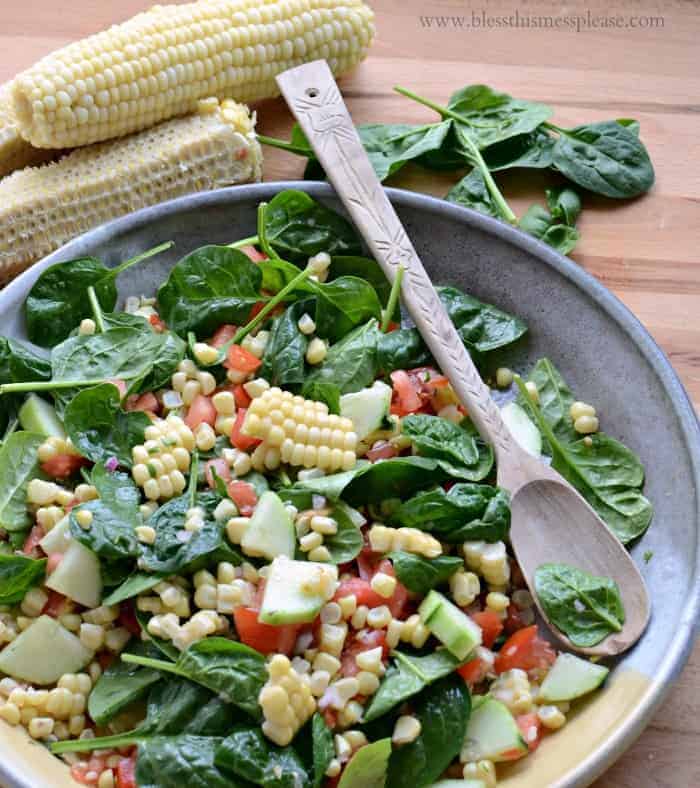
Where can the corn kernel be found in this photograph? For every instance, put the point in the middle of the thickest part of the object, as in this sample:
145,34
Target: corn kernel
379,617
146,534
551,717
10,713
383,584
406,729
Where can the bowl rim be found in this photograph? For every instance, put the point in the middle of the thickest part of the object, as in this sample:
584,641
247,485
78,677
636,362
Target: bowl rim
679,649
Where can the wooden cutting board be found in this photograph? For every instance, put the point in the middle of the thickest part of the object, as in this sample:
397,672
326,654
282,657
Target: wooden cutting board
627,59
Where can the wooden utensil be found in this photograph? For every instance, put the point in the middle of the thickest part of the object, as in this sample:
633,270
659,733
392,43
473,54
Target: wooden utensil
551,522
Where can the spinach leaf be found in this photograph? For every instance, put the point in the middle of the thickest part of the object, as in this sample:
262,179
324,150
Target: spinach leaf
493,117
533,151
343,304
18,364
324,391
250,755
168,351
211,286
284,360
18,465
365,268
584,607
554,400
467,512
390,146
298,227
367,767
420,574
115,517
121,684
135,584
443,711
347,542
323,748
564,204
18,574
440,438
402,349
175,761
100,429
606,158
539,223
406,677
484,464
471,192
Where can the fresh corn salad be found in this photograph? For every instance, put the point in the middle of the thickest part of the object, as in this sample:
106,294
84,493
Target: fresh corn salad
250,536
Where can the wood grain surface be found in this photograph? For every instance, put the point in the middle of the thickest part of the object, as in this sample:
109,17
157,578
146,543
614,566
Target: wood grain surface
628,59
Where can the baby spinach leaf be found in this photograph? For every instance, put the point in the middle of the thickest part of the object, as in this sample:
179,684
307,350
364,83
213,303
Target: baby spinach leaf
211,286
564,204
555,400
324,391
368,766
115,517
168,351
402,349
18,574
174,761
606,158
18,465
363,267
298,227
420,574
18,364
284,360
323,748
539,223
406,677
135,584
100,429
466,512
163,646
584,607
250,755
390,146
347,543
443,711
343,304
471,192
440,438
533,151
493,117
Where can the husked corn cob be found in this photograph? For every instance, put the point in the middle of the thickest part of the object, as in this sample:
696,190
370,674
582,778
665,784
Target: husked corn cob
159,63
43,207
299,431
16,152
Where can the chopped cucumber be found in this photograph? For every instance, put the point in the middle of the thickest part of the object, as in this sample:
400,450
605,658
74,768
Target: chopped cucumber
58,539
291,591
271,531
570,677
492,734
43,653
522,428
78,576
449,624
367,408
37,415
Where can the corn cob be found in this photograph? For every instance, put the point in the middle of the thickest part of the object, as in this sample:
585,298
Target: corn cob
43,207
300,432
159,63
16,152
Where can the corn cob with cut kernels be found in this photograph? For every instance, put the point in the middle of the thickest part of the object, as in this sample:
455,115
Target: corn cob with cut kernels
16,152
161,462
157,65
43,207
286,701
299,432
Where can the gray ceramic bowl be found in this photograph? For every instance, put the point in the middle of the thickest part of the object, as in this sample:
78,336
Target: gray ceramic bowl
604,353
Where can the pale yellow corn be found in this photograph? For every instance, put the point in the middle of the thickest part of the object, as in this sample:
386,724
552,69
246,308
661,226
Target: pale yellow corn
465,587
16,152
383,540
406,729
286,701
299,432
159,463
43,207
512,688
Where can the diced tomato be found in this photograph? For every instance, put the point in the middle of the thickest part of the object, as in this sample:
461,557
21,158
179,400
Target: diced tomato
53,561
201,411
473,672
126,772
428,379
382,450
31,543
241,396
364,640
148,403
491,626
392,327
127,617
362,591
367,560
79,772
258,306
531,729
158,325
241,360
238,439
265,638
244,496
330,716
399,598
405,398
56,605
525,650
105,659
223,334
61,466
255,254
219,466
514,620
120,384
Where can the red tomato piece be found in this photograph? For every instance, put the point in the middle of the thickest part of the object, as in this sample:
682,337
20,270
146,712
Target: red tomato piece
201,411
514,620
218,465
223,334
331,717
244,496
362,591
61,466
157,323
105,659
531,729
241,360
367,560
473,672
79,772
265,638
392,327
257,308
255,254
148,403
127,617
56,605
238,438
405,397
241,396
525,650
491,626
31,543
382,450
53,561
126,772
364,640
397,601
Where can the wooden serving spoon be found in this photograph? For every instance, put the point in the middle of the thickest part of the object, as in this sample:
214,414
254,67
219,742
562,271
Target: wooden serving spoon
551,522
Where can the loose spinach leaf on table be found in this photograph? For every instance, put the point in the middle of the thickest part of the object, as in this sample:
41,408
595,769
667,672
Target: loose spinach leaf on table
390,146
100,429
211,286
530,151
466,512
347,542
471,192
323,749
175,761
406,677
19,573
540,223
248,754
368,766
18,465
440,438
584,607
564,204
284,362
420,574
443,710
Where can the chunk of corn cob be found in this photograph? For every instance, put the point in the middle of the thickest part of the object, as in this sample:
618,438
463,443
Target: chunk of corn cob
159,63
16,152
299,431
43,207
286,701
